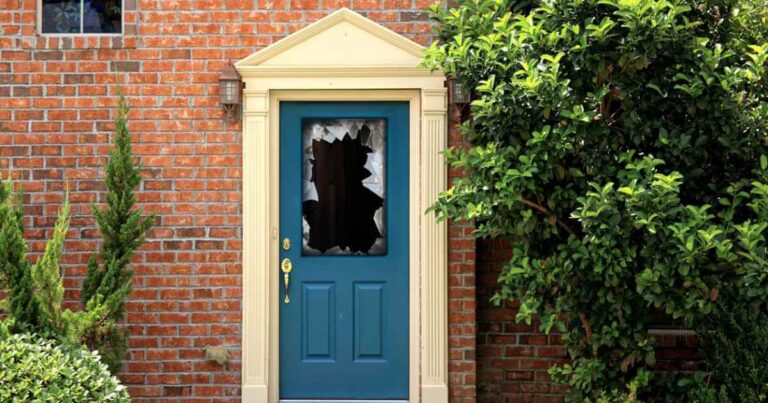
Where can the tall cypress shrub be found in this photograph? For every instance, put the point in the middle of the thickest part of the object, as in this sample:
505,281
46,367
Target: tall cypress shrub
15,270
46,277
123,229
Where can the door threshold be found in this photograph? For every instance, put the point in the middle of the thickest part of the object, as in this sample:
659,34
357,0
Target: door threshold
340,401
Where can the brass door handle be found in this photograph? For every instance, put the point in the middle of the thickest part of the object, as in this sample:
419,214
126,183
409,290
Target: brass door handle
286,266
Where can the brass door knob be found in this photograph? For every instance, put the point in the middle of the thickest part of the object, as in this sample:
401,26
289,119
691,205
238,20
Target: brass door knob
286,266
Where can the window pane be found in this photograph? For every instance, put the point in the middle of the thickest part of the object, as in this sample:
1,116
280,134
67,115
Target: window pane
343,180
61,16
103,16
231,88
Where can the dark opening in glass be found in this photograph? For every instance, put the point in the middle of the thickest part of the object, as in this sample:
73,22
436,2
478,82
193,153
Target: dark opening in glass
343,187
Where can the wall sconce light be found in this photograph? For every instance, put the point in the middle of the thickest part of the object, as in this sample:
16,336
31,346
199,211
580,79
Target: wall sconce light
459,95
459,98
230,91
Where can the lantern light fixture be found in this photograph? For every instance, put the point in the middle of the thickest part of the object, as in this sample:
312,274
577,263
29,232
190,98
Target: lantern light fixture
230,91
459,95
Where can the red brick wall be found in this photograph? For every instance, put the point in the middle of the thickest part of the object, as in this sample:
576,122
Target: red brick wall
462,306
512,358
57,98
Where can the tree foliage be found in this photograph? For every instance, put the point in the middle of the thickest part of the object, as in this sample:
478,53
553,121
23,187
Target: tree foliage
619,145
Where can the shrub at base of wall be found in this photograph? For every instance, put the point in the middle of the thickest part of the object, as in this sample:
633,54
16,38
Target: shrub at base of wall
35,369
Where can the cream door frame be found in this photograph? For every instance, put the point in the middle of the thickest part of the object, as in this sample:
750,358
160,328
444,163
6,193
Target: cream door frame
380,79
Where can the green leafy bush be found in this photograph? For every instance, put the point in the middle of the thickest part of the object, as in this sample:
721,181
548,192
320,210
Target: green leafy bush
734,345
619,146
34,369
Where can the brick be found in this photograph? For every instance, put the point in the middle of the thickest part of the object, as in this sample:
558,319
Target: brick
78,79
177,391
48,55
125,66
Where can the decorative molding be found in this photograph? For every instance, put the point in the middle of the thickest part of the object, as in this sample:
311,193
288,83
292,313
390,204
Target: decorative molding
433,237
350,83
335,71
336,18
256,234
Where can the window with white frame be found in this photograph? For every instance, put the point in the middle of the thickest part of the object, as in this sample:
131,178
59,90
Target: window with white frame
68,17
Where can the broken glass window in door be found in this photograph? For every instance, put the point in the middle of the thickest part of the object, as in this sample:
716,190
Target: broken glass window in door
343,186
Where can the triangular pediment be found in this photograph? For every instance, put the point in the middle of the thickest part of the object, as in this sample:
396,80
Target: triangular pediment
341,40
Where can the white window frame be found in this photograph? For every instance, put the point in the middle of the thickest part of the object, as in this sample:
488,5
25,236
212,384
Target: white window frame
39,22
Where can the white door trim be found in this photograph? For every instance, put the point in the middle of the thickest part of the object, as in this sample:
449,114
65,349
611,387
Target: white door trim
428,137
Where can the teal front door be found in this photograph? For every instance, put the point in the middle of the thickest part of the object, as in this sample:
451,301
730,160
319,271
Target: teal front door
344,250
